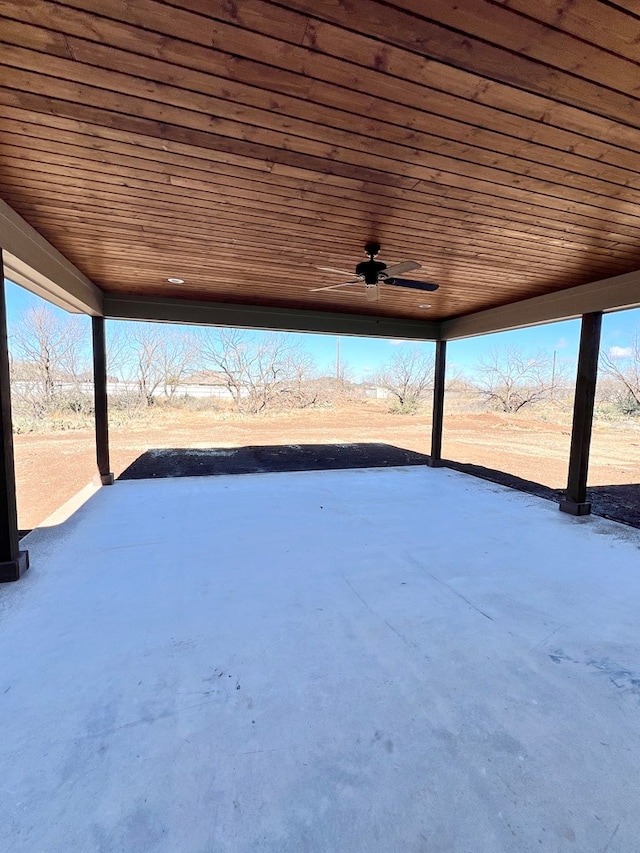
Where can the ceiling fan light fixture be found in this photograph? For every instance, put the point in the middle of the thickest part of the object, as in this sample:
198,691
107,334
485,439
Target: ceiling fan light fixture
424,305
175,280
374,273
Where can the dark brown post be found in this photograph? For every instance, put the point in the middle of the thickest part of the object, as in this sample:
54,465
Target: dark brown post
575,499
438,404
100,398
13,562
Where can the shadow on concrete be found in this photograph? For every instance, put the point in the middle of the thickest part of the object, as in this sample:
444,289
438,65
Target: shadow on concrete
617,502
181,462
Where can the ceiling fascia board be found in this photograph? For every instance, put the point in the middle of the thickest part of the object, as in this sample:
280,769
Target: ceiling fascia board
262,317
31,261
610,294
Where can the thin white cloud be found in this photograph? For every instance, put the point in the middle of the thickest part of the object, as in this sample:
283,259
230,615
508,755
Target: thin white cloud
397,343
561,344
620,352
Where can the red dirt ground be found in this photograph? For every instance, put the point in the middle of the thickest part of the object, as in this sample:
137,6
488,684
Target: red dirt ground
52,467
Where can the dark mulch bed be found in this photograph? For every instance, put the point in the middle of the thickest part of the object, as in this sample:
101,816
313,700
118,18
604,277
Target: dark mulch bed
178,462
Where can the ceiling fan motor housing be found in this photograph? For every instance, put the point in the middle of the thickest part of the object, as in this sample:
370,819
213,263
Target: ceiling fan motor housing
371,270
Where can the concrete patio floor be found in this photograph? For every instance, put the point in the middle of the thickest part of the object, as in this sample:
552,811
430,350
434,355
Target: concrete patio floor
376,660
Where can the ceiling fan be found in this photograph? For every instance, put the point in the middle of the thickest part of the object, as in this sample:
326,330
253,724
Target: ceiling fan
373,273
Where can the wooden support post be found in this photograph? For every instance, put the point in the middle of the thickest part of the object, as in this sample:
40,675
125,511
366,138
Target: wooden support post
575,500
438,404
13,561
100,398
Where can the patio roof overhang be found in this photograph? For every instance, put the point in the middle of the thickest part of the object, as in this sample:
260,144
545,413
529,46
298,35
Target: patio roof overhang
240,147
30,260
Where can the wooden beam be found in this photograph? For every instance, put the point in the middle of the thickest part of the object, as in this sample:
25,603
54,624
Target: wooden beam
13,561
32,262
575,500
609,294
438,404
260,317
100,398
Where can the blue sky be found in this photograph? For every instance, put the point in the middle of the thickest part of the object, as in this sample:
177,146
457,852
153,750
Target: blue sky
366,355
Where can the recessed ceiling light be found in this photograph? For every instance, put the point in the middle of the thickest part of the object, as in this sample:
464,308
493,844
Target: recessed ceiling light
175,280
424,305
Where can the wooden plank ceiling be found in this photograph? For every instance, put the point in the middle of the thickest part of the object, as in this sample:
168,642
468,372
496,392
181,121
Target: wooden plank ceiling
240,144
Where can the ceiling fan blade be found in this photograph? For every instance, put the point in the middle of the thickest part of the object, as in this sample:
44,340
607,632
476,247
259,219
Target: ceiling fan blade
333,286
333,269
404,266
414,285
373,292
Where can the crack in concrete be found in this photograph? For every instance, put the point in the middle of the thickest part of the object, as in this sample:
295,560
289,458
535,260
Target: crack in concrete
377,615
412,560
549,637
613,835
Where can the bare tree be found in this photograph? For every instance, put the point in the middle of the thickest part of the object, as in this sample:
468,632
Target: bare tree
160,360
299,388
510,379
259,371
177,361
408,375
49,358
118,355
623,365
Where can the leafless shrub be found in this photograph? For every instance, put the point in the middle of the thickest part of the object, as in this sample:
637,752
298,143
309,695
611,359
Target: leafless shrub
50,368
509,379
407,376
622,365
159,359
260,372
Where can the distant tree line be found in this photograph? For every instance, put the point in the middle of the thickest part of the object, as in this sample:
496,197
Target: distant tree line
153,363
